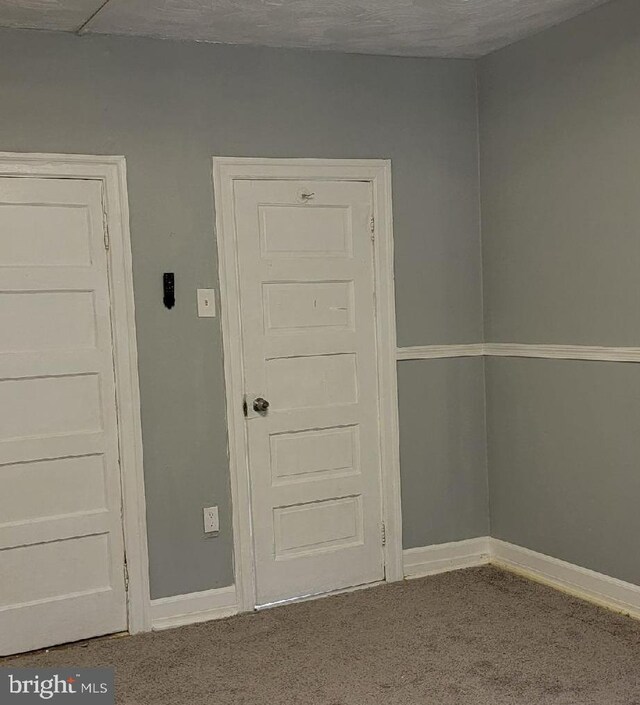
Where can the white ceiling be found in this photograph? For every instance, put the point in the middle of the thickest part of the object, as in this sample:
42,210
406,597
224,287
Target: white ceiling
447,28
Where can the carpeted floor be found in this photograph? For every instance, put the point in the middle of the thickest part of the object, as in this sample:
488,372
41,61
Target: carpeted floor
473,637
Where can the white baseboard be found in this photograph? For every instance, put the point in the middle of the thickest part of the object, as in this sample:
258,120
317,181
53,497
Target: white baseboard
580,582
585,584
444,557
193,607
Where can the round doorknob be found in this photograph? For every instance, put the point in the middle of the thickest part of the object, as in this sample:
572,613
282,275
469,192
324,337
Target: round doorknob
260,405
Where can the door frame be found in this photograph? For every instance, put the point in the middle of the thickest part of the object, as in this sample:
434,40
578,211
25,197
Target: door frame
112,172
378,173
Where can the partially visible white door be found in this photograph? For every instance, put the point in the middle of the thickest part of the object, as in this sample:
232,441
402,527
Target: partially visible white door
61,545
306,275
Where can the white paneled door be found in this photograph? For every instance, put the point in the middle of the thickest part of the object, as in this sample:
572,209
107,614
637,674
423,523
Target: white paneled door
306,275
61,545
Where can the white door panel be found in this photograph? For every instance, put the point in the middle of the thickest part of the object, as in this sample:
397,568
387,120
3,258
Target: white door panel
61,546
309,348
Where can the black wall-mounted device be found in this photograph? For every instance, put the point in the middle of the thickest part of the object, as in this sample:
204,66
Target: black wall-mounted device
169,289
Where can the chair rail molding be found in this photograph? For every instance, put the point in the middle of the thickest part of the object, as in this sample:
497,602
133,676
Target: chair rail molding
438,352
541,351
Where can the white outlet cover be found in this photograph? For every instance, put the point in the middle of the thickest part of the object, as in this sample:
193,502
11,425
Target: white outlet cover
211,520
206,303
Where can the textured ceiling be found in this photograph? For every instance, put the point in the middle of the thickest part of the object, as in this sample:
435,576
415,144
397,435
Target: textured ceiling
64,15
448,28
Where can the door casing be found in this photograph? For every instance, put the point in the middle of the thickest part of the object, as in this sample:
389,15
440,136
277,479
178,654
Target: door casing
226,170
111,171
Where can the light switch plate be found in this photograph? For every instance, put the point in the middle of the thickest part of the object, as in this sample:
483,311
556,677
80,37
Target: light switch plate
211,520
206,303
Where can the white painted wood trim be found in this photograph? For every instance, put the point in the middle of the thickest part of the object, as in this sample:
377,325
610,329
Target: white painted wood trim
168,612
111,171
600,589
549,352
378,172
437,352
445,557
563,352
234,386
267,168
387,372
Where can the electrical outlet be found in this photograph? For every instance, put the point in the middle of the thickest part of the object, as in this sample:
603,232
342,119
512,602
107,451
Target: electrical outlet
211,520
206,303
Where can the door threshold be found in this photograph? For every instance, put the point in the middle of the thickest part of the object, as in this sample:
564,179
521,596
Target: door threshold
66,645
318,595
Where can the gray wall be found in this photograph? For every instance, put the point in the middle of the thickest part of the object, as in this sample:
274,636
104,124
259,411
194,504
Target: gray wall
442,438
564,451
168,107
560,166
560,159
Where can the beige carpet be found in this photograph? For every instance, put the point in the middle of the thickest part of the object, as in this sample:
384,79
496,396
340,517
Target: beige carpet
474,637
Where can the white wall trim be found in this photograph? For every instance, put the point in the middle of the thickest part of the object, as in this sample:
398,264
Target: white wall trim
436,352
563,352
600,589
111,171
378,173
580,582
585,584
168,612
549,352
444,557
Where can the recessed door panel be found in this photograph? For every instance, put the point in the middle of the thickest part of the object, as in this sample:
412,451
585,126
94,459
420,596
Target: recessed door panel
47,488
50,405
59,561
45,235
300,306
48,320
313,455
312,381
327,525
305,230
